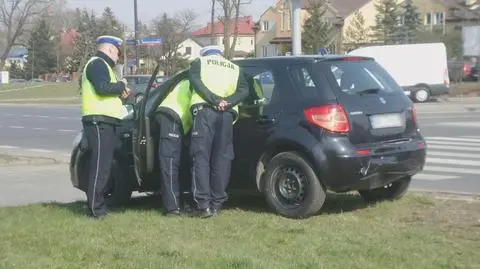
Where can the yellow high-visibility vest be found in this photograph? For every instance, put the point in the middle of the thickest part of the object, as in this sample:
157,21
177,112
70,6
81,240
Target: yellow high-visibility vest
219,75
94,104
178,100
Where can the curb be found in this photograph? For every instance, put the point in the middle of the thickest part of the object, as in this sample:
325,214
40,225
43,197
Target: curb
32,158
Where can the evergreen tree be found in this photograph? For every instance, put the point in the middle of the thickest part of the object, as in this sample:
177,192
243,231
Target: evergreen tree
356,32
109,25
85,42
411,22
41,51
386,28
317,31
16,72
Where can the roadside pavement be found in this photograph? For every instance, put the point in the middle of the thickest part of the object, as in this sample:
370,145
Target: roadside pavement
33,183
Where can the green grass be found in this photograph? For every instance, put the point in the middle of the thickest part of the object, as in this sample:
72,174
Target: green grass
416,232
7,158
59,92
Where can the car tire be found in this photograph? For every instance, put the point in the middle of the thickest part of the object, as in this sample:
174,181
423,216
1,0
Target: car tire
421,94
296,194
119,188
393,191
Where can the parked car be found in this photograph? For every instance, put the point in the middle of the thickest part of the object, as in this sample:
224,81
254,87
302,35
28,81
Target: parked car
420,69
138,83
335,123
463,70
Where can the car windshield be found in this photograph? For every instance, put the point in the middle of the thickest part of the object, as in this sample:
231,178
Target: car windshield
143,80
358,77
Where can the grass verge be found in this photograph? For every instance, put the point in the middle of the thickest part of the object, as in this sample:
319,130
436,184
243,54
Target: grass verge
8,159
416,232
35,93
466,88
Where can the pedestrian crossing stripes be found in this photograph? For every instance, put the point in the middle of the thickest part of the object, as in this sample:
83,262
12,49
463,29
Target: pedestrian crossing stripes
451,158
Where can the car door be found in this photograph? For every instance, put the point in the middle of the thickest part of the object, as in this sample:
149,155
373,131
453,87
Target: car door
257,118
144,146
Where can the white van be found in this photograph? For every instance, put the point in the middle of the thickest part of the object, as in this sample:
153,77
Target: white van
420,69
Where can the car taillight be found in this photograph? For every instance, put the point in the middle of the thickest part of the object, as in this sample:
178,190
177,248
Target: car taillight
332,118
467,69
446,79
414,114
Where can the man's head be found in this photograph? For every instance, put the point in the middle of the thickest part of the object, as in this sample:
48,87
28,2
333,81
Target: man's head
211,50
110,45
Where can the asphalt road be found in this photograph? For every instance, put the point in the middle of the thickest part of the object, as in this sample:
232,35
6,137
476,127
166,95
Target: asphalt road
452,131
39,128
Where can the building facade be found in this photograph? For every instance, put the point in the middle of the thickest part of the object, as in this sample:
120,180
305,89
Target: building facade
245,43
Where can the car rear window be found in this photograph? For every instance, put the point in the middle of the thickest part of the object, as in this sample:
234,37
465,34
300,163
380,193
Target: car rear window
358,76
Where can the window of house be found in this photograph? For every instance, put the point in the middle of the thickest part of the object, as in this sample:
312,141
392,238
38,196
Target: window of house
428,18
188,51
265,26
286,20
439,18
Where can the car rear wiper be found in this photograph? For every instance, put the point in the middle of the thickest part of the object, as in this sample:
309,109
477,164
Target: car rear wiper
374,90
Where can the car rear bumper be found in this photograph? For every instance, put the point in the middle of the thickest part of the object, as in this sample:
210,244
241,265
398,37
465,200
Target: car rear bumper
343,169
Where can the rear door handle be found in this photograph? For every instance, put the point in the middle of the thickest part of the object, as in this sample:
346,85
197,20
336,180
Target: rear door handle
266,120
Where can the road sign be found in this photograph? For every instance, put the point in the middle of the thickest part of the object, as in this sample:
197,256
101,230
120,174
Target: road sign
145,41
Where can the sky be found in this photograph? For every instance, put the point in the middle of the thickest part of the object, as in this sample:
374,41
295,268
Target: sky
149,9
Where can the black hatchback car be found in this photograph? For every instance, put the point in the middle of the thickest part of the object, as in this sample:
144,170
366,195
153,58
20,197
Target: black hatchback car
337,123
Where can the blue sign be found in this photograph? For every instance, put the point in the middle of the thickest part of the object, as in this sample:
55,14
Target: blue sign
145,41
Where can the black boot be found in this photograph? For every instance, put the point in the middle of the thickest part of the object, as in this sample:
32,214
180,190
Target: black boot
202,213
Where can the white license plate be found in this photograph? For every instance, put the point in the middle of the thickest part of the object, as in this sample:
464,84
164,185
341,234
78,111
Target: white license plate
387,120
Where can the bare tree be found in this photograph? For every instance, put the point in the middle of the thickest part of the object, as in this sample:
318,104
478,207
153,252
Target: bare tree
15,15
231,13
173,31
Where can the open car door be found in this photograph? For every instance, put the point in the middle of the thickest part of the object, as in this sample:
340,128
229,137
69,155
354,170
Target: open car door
144,145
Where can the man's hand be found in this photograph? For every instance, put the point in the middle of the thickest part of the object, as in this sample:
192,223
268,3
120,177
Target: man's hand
222,106
126,93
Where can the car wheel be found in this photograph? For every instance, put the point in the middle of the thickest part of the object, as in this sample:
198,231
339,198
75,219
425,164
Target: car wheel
291,186
422,95
393,191
119,188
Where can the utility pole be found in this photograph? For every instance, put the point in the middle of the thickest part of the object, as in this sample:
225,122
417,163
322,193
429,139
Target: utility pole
125,60
296,28
137,59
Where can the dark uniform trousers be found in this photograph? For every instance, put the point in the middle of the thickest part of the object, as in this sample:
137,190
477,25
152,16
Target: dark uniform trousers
211,150
169,156
102,142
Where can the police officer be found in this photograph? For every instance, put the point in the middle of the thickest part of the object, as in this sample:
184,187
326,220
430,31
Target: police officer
219,85
102,110
175,120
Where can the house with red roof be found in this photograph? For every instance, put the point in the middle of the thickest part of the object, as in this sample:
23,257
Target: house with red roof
245,38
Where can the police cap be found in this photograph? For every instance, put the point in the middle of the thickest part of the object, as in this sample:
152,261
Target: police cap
117,42
209,50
